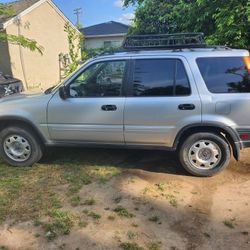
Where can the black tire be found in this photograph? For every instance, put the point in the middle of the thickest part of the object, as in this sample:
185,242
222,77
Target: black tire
188,157
34,146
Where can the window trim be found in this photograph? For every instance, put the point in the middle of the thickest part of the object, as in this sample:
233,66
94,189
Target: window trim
130,92
217,93
124,80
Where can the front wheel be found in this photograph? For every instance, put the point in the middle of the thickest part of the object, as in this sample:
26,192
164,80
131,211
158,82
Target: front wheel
204,154
19,146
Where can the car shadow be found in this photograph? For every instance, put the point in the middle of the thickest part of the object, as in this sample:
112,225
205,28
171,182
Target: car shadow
147,160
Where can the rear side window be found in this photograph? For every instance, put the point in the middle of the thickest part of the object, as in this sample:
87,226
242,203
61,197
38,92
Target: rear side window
160,77
225,74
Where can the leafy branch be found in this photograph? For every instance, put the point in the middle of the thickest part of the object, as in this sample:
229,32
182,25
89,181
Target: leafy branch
6,10
75,40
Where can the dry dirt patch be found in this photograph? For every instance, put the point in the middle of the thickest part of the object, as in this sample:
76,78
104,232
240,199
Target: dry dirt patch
121,199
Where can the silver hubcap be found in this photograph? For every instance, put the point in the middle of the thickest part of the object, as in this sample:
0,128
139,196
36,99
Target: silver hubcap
17,148
204,154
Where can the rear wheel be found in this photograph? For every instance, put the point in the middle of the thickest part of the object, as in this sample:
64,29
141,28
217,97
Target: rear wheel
19,146
204,154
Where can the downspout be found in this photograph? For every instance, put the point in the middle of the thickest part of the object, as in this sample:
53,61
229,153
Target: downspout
18,22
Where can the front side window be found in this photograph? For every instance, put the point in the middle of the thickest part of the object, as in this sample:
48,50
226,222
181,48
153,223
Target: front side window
160,77
102,79
225,74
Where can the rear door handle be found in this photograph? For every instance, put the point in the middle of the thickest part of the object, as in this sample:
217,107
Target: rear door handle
186,107
109,108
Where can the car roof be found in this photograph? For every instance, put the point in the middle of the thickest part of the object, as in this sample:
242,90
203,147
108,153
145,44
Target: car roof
188,53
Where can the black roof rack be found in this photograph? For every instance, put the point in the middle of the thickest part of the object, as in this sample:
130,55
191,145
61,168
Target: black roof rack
165,41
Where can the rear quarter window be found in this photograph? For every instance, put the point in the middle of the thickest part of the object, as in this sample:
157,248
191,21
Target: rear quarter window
225,74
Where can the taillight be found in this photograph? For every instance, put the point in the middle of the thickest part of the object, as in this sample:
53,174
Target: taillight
247,62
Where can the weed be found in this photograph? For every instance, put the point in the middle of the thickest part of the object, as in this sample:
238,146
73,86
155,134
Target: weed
37,235
85,211
155,245
146,190
111,217
94,215
207,235
75,201
161,186
103,174
130,246
89,202
172,200
245,233
55,201
134,225
154,219
82,224
123,212
9,188
3,248
132,235
131,179
117,199
229,223
61,224
77,179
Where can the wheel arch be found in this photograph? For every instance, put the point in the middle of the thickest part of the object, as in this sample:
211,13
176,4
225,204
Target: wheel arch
18,121
228,133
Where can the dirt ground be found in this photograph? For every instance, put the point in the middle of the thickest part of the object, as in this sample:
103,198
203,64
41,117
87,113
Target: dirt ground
151,203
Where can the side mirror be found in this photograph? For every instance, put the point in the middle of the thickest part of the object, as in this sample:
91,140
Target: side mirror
63,92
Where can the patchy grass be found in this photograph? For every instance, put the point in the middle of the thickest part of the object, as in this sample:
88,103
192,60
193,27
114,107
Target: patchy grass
117,199
172,200
82,224
155,245
75,201
161,186
132,235
134,225
89,202
131,179
10,185
130,246
229,223
61,224
111,217
103,174
123,212
77,178
155,219
94,215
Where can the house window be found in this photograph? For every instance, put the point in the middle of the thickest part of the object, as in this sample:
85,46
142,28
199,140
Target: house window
107,44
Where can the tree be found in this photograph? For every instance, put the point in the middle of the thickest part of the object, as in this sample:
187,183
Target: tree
223,22
75,41
6,10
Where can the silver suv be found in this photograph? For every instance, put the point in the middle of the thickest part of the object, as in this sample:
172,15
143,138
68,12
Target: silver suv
156,94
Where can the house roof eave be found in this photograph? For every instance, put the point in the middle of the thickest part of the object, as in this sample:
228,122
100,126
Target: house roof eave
108,35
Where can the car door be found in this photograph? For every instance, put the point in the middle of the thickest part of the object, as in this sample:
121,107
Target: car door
93,111
162,99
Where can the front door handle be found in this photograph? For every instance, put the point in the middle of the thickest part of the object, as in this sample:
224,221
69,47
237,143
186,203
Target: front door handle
186,107
109,108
